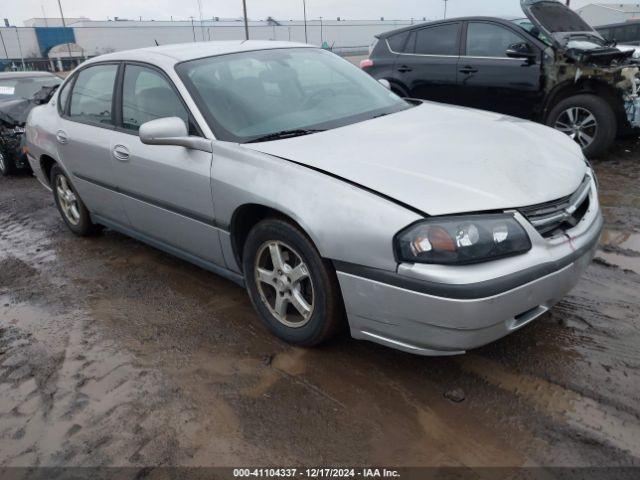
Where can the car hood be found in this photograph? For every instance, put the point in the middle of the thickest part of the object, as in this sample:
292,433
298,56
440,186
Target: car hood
556,20
442,159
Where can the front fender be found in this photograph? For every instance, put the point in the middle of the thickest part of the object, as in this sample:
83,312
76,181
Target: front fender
345,222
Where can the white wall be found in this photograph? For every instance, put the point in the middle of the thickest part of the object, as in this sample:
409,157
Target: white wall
97,40
28,42
115,37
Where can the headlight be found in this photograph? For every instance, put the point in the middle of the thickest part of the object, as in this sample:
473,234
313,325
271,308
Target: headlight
462,240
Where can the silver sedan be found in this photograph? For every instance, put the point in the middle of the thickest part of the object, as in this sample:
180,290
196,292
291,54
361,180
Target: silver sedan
424,227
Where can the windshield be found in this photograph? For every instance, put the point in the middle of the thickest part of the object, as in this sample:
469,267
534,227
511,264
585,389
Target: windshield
526,24
25,87
249,95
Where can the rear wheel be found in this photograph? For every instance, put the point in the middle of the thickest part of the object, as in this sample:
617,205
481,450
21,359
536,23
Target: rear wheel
587,119
7,166
295,292
69,204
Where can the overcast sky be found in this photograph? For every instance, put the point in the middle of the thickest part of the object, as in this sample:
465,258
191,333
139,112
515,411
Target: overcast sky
19,10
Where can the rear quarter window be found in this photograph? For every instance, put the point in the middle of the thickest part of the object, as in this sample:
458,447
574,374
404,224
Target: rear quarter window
398,41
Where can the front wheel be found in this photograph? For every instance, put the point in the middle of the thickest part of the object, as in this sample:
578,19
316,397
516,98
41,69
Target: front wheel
69,204
587,119
294,291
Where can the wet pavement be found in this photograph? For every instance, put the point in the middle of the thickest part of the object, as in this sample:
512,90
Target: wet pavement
113,353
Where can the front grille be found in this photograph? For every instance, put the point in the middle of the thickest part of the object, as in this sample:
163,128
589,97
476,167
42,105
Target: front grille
555,217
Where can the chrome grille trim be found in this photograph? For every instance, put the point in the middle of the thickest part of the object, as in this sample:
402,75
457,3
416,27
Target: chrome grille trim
560,214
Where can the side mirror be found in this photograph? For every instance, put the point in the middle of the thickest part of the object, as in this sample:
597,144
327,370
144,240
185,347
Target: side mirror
521,50
171,131
385,83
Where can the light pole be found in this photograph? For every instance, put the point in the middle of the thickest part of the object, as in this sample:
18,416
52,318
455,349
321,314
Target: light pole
246,22
4,46
64,24
304,12
445,8
321,37
193,29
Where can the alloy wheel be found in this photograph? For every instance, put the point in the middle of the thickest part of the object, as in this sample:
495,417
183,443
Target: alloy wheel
580,124
68,200
284,283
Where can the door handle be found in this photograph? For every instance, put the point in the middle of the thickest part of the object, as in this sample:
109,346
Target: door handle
61,137
120,152
468,70
404,69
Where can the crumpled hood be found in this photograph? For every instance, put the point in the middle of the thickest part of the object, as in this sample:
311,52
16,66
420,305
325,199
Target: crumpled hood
442,159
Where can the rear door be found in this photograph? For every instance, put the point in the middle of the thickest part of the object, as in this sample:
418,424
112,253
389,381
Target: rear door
490,80
84,136
428,64
166,190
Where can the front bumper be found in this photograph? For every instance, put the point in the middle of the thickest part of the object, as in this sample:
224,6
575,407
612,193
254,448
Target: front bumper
408,311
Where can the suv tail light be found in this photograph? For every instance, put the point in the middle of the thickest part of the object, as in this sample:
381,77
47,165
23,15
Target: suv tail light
366,63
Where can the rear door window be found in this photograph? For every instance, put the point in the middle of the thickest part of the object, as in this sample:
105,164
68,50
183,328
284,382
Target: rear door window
92,95
439,40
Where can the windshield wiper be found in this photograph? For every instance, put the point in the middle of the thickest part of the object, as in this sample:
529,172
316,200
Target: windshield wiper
298,132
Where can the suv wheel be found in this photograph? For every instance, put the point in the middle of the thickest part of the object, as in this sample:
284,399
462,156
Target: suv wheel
69,204
589,120
294,291
7,166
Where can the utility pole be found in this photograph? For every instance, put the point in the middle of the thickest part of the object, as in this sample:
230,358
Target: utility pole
64,24
246,21
20,48
193,29
201,26
445,9
321,37
304,11
4,45
44,15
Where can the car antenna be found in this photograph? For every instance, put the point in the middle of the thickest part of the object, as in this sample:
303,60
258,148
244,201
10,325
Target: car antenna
157,44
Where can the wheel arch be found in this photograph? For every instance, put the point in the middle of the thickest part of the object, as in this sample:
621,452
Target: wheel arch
46,164
247,216
595,87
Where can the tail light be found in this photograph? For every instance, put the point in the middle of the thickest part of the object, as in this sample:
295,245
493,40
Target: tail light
366,63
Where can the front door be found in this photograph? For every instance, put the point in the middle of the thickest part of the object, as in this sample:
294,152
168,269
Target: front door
489,80
166,190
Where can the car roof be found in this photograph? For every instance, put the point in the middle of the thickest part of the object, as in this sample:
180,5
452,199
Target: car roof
10,75
180,52
503,20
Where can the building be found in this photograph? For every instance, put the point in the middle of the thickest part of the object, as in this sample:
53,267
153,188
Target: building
606,13
88,38
52,22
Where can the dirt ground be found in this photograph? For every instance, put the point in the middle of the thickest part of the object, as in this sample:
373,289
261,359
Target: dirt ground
113,353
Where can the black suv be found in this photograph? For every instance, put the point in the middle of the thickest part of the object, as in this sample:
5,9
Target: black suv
551,67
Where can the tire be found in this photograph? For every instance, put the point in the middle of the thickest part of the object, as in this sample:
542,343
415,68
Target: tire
80,222
605,121
7,165
326,317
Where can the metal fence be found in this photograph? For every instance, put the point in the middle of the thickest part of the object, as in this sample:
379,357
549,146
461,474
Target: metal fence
21,48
